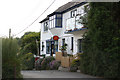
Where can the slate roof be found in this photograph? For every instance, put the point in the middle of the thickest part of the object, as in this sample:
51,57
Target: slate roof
66,7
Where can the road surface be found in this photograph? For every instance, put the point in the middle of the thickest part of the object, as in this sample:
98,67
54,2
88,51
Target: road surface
53,74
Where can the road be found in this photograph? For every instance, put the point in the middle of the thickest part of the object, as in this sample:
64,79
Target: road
53,74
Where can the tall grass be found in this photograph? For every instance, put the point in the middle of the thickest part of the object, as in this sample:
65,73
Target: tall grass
10,61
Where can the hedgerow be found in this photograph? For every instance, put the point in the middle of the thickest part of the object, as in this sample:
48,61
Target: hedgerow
101,55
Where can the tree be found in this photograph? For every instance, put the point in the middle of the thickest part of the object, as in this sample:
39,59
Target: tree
100,44
10,61
28,42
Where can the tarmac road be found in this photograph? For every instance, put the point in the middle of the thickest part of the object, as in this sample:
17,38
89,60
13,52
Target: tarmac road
53,74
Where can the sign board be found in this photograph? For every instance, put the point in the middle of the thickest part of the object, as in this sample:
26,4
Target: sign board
55,37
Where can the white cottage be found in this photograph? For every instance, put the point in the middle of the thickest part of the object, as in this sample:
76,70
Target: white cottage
63,27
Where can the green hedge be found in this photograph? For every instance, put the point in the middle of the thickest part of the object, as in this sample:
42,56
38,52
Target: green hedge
28,61
45,64
101,55
10,61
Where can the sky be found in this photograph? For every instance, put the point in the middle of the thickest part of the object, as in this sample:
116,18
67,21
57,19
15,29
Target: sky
19,14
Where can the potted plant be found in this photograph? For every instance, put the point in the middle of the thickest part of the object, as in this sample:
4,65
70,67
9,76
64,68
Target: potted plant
63,49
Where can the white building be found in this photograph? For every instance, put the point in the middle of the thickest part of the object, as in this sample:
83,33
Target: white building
64,23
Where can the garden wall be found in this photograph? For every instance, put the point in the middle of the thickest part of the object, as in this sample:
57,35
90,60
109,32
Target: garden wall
65,61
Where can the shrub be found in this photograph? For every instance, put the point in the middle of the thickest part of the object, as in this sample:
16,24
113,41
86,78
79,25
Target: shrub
38,64
10,61
100,44
74,65
54,65
28,61
45,63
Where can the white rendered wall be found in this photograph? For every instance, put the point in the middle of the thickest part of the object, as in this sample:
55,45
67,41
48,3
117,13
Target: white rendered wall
61,33
45,35
67,37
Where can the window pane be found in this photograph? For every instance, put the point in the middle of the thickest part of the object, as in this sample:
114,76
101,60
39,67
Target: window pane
45,26
54,22
54,16
79,45
63,42
58,22
73,13
58,15
72,43
56,46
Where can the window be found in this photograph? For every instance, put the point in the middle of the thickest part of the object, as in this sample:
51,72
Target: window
52,21
45,26
56,46
72,43
63,42
58,20
42,46
73,13
79,45
48,46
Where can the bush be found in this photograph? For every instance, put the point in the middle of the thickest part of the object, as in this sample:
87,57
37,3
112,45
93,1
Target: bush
74,65
38,64
28,61
54,65
10,61
45,63
100,44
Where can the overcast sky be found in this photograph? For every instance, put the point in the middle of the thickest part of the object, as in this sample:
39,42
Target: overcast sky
18,14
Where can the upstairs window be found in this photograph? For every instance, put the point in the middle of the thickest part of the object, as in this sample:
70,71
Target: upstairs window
73,13
52,21
55,21
58,20
45,26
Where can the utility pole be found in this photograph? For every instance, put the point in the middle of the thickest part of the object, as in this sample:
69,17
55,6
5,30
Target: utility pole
9,33
37,48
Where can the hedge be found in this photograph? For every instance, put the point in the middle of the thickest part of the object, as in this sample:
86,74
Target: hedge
10,61
101,55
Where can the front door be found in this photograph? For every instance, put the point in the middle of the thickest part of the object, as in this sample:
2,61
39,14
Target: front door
52,48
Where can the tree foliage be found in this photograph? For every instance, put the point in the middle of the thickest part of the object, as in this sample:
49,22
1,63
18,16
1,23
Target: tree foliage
100,44
28,42
10,61
28,61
